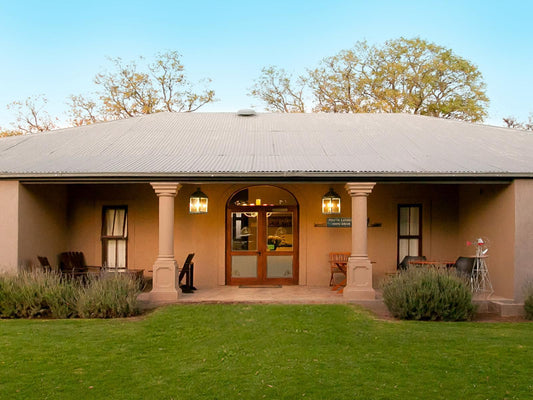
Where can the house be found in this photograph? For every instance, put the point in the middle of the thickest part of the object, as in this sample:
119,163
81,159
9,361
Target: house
132,193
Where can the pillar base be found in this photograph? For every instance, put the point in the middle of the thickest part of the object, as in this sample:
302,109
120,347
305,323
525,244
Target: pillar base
164,280
359,280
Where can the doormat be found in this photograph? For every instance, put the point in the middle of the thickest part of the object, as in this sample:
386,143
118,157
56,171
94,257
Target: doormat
259,286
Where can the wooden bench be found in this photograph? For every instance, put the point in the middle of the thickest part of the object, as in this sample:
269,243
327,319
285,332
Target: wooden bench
72,263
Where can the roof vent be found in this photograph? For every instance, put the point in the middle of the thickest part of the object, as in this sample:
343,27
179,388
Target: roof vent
246,112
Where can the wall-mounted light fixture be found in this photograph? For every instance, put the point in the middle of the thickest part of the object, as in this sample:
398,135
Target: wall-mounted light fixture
198,202
331,203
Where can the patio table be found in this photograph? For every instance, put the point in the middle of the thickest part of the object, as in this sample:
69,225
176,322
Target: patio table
137,273
433,264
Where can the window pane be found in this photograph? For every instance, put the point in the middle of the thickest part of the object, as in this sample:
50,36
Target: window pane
120,220
109,222
244,266
116,223
407,247
404,221
410,236
115,232
121,254
279,267
115,253
413,247
125,224
414,221
403,248
244,231
279,231
111,252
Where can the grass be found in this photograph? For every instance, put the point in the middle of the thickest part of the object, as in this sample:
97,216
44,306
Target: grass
264,351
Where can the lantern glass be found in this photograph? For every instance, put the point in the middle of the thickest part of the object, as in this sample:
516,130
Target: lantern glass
331,203
198,202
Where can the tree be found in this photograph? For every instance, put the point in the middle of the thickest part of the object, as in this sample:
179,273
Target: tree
9,132
512,122
403,75
278,91
130,90
31,115
84,111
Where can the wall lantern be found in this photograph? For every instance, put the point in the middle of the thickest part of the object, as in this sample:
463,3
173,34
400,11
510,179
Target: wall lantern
198,202
331,203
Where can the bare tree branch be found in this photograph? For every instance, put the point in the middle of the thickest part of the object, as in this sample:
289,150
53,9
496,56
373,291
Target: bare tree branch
31,116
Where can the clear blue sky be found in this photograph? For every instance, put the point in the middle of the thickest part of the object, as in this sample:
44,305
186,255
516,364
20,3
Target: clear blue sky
56,47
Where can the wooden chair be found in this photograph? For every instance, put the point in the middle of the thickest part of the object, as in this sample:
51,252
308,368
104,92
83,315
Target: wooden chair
337,265
73,263
45,264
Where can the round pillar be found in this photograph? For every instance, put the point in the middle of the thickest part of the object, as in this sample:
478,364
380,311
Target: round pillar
359,269
165,267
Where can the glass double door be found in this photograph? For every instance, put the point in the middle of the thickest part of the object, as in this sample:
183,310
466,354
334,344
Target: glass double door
262,245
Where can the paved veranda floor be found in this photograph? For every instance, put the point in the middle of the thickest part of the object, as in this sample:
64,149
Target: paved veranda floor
303,295
271,295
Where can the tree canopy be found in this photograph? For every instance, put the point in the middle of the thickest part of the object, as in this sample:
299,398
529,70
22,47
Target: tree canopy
403,75
127,90
276,87
132,89
31,116
512,122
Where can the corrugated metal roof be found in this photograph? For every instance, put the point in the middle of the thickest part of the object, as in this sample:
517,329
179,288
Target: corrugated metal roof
218,144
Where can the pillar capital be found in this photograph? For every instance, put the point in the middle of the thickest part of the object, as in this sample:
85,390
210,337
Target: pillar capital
359,188
168,189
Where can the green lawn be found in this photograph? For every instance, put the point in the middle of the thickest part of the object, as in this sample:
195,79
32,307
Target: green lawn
264,351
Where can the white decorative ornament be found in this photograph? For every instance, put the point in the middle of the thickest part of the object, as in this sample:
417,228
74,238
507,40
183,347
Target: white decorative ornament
480,280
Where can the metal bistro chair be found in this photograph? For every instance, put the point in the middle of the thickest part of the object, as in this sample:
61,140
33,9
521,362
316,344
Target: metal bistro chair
404,264
464,266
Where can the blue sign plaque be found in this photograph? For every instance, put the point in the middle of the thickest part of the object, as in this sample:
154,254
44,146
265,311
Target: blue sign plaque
339,223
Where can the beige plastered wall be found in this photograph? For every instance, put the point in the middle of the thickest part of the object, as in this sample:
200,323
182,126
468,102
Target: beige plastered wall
439,208
9,201
43,224
59,218
33,221
439,223
488,211
204,235
85,221
523,253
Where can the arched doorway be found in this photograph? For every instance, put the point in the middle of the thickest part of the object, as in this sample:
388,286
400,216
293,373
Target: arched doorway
262,237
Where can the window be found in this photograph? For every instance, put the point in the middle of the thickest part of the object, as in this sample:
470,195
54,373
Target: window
114,236
409,230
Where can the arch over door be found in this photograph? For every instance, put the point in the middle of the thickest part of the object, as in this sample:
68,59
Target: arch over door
262,237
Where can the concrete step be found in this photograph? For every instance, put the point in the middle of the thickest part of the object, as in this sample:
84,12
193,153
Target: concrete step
506,308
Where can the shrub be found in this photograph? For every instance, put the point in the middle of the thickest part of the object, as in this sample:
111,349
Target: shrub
61,298
111,296
35,295
428,294
48,295
528,302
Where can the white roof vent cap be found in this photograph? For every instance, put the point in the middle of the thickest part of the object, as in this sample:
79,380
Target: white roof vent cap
246,112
